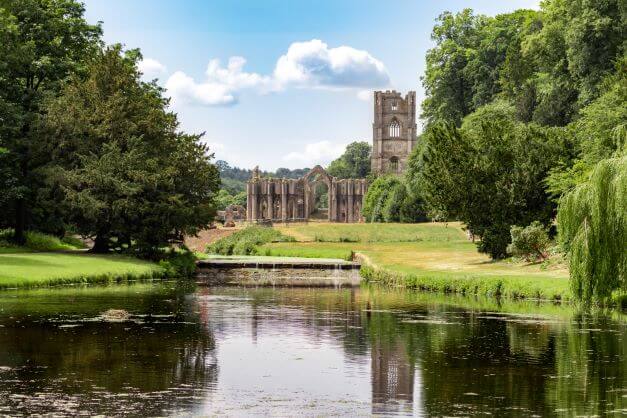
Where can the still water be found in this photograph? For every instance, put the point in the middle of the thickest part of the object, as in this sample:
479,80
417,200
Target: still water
304,351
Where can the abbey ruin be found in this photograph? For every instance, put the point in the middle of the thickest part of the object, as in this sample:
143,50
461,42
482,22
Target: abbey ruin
393,131
284,200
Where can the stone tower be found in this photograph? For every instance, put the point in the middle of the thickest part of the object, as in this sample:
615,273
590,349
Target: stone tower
393,131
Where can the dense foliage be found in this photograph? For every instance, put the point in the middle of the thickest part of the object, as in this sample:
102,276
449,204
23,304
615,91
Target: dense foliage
390,199
489,175
592,223
126,173
225,199
530,242
521,108
85,145
548,63
354,163
247,241
41,44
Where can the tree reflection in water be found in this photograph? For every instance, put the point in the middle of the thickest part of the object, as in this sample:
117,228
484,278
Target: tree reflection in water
344,351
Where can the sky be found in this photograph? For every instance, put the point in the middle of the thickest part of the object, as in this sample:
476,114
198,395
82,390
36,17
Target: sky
280,83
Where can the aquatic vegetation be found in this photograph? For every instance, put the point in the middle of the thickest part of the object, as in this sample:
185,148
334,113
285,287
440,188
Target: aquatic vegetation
115,315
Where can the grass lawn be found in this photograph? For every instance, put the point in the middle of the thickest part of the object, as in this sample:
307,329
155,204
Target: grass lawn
34,269
433,256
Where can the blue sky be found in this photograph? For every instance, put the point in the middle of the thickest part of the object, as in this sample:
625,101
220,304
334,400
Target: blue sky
280,83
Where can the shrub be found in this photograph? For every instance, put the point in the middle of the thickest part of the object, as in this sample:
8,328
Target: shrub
179,264
37,241
73,241
377,195
530,242
247,241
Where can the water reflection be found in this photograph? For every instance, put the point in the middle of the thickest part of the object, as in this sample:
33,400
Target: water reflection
236,351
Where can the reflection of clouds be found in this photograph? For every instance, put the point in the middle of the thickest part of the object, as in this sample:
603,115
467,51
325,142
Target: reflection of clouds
293,343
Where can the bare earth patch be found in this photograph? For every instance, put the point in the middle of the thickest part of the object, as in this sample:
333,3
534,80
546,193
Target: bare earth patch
208,236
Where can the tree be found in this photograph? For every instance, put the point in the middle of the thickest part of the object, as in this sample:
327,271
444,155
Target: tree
128,176
602,129
572,53
488,174
377,196
592,225
394,203
225,199
354,163
46,41
446,81
530,242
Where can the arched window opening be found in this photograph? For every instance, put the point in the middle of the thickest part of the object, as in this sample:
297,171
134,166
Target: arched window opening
394,106
395,129
394,164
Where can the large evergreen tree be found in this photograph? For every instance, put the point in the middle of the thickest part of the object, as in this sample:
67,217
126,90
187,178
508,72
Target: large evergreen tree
128,175
489,174
43,42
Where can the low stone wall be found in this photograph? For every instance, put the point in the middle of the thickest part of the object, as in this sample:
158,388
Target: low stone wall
278,277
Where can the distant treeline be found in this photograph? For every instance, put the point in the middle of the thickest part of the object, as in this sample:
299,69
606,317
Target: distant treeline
234,178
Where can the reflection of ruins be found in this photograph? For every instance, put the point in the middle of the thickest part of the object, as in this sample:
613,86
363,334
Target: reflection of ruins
393,376
272,199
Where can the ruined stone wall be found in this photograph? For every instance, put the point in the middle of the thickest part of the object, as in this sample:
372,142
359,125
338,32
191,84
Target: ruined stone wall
283,200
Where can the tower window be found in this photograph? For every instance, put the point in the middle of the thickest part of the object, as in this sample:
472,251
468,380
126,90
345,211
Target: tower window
395,129
394,164
394,106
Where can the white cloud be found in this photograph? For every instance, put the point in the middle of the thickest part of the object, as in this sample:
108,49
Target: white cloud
233,75
310,64
321,152
314,64
365,95
183,89
220,87
151,68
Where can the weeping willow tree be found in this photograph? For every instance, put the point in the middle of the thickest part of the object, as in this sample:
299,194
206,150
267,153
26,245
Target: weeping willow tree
592,222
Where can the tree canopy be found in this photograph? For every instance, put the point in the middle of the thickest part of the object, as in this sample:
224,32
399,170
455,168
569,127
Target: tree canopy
43,43
354,163
127,174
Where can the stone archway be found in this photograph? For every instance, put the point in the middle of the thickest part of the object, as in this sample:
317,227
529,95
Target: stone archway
295,199
312,180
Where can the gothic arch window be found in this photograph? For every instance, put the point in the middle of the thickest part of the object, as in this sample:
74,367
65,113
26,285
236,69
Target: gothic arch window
394,106
395,129
394,164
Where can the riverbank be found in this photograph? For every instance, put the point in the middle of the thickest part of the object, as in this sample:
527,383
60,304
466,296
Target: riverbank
428,256
26,269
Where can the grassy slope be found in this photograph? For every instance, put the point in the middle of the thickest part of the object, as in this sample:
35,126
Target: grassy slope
33,269
430,256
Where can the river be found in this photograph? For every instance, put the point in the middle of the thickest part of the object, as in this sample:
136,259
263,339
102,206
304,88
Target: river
304,351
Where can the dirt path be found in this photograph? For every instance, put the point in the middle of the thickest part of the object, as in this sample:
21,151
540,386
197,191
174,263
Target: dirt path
208,236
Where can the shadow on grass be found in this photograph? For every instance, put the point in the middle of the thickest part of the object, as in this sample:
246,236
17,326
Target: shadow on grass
25,261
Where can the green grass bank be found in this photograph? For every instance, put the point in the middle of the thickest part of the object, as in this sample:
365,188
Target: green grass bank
38,269
429,256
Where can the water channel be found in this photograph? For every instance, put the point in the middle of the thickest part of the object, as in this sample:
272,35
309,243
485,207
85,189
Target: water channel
304,351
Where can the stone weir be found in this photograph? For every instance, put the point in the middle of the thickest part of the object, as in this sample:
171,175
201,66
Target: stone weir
277,271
